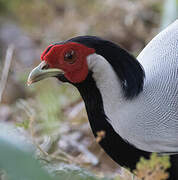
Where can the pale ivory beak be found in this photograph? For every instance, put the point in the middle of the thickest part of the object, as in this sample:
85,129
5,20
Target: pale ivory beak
41,72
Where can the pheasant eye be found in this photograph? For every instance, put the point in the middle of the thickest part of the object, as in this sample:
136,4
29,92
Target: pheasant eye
70,57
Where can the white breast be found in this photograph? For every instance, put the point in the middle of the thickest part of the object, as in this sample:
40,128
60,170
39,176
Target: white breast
149,121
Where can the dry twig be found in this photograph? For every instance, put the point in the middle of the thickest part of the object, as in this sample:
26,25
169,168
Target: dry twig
6,68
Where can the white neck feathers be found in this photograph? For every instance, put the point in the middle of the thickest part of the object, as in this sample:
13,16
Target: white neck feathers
107,83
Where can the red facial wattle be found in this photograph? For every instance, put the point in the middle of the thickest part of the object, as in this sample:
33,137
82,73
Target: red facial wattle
75,72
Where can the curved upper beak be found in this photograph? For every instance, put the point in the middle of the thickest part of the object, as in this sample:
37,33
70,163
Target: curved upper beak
41,72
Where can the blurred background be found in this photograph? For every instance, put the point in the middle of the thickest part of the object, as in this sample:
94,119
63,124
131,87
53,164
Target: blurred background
53,115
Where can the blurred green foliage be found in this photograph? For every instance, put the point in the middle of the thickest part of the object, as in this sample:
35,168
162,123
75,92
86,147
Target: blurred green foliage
24,124
51,101
27,12
17,164
153,161
153,168
40,13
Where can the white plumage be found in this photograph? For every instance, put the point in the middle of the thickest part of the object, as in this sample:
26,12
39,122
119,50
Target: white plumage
150,120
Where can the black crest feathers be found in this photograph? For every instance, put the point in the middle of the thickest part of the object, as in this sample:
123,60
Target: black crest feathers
128,69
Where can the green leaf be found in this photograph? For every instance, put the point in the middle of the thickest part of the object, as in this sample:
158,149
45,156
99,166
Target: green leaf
17,160
19,164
